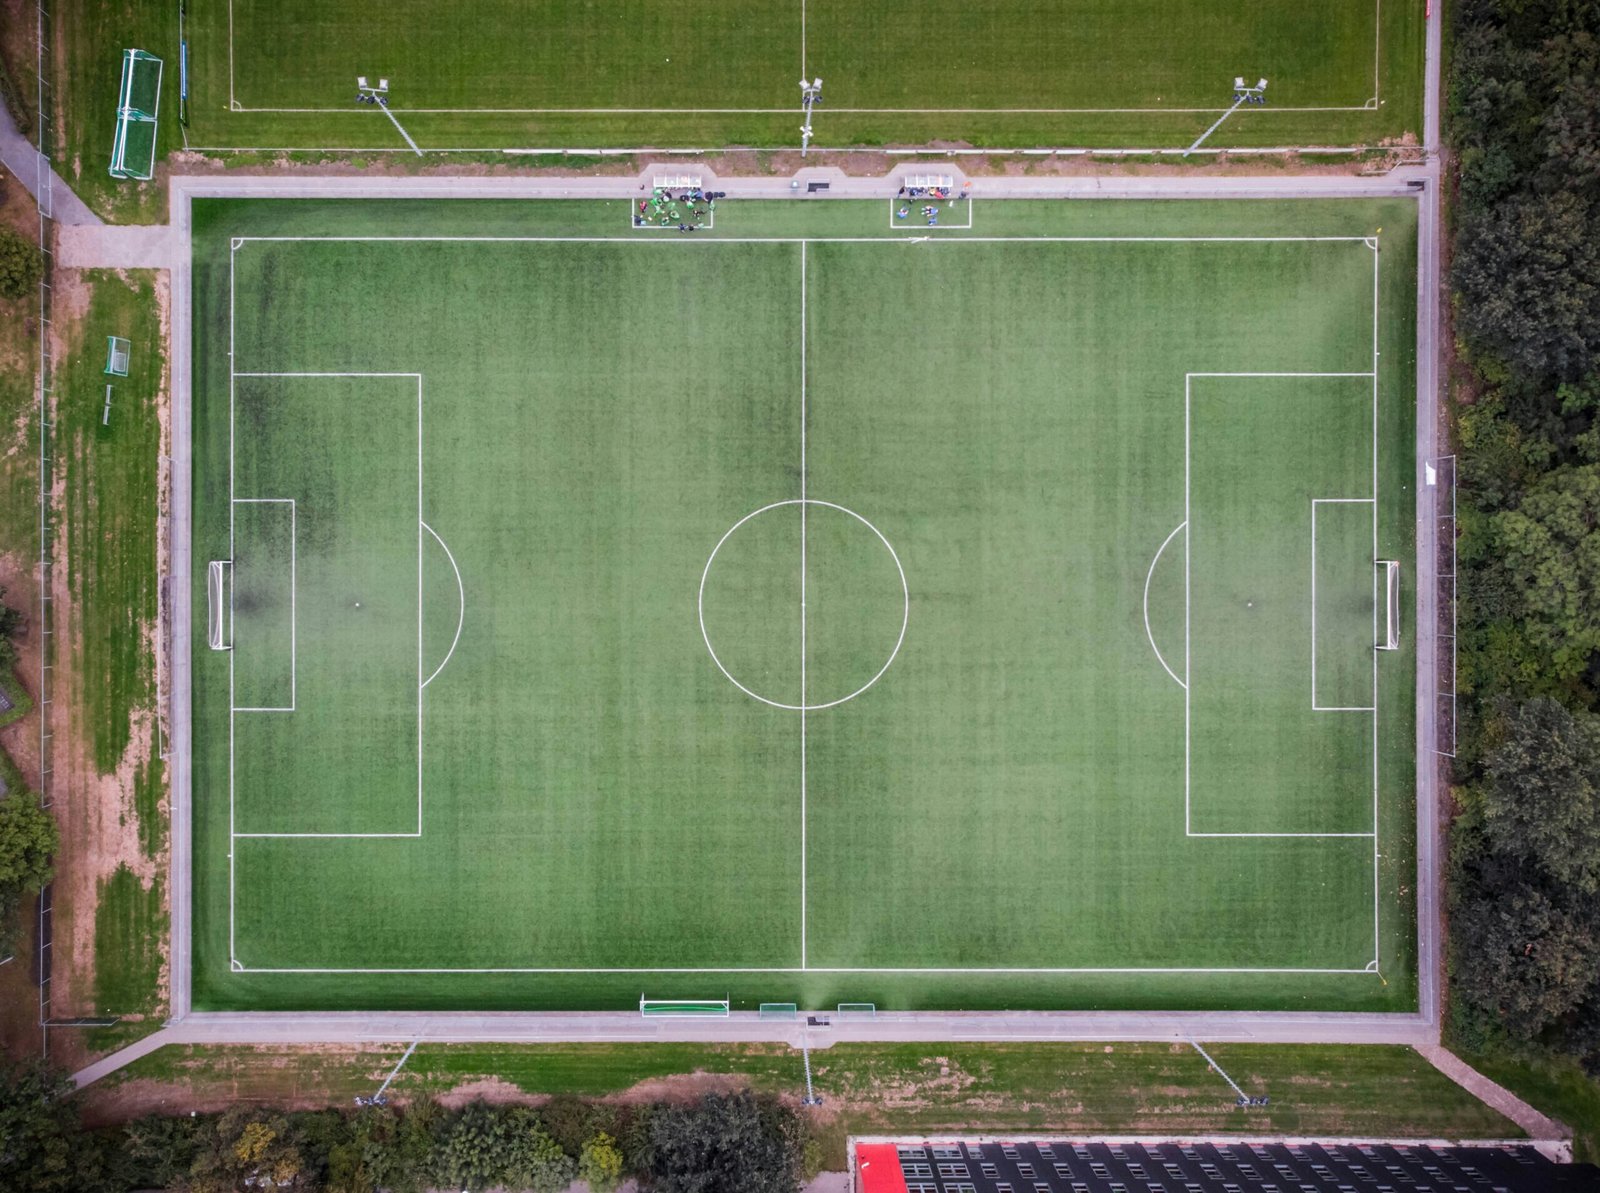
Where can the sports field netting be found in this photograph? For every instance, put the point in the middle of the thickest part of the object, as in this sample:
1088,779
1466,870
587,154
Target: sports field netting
801,613
647,72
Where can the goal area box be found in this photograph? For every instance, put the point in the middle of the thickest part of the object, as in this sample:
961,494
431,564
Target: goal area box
118,350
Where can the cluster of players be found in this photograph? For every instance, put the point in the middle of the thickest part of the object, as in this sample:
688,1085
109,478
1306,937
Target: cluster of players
930,211
927,192
663,208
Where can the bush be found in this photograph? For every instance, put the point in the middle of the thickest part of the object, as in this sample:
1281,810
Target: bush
729,1144
21,265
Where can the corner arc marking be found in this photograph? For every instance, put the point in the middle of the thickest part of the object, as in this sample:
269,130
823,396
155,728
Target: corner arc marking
461,611
1148,576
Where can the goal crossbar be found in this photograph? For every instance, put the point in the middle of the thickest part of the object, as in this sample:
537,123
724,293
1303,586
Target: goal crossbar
1391,575
683,1008
219,583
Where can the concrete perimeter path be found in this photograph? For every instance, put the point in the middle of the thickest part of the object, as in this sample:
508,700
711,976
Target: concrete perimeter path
32,168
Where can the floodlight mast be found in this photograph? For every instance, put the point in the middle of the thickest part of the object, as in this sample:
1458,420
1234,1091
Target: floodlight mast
366,93
810,96
1241,95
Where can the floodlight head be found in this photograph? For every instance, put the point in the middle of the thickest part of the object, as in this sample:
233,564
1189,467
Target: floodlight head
1261,85
816,83
804,84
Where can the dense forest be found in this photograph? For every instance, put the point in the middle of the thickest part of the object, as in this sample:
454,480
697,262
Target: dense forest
1524,881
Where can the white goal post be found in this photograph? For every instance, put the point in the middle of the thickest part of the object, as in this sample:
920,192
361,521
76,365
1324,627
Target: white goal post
219,577
1391,573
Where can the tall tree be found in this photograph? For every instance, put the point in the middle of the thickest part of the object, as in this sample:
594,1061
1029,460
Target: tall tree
1519,956
1542,800
721,1145
1550,549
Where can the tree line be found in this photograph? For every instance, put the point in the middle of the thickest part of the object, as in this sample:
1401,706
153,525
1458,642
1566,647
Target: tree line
28,834
738,1143
1524,878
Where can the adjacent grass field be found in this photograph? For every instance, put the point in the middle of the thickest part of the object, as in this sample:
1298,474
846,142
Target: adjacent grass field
644,72
795,613
876,1088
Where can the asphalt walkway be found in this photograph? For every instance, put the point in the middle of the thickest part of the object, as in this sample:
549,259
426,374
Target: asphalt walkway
32,168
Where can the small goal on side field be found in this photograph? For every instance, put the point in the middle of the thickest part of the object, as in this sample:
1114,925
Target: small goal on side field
1391,604
118,351
683,1008
218,578
858,1010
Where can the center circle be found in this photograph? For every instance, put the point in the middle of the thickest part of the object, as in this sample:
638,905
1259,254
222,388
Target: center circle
803,604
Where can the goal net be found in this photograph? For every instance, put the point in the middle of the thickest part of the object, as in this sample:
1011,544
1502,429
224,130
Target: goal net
683,1008
217,577
1391,604
133,150
117,352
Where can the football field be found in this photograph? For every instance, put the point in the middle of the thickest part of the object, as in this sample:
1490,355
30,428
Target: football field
643,72
818,607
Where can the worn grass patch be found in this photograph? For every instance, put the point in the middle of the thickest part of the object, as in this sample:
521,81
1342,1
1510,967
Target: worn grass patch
129,927
109,507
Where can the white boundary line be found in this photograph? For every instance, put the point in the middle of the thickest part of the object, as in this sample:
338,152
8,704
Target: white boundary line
294,619
621,239
1147,578
804,505
1315,707
511,969
1369,968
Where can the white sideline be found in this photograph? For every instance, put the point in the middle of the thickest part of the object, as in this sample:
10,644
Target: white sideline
1369,968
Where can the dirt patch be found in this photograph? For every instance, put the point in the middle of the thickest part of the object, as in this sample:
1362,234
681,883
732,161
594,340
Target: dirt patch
685,1087
495,1090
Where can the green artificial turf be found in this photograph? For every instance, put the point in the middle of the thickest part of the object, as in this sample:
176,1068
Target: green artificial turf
106,528
644,72
918,488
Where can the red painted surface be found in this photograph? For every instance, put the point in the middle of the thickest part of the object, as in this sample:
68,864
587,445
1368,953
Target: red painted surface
878,1169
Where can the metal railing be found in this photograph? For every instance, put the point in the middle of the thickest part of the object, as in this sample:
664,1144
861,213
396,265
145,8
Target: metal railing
45,126
1442,479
